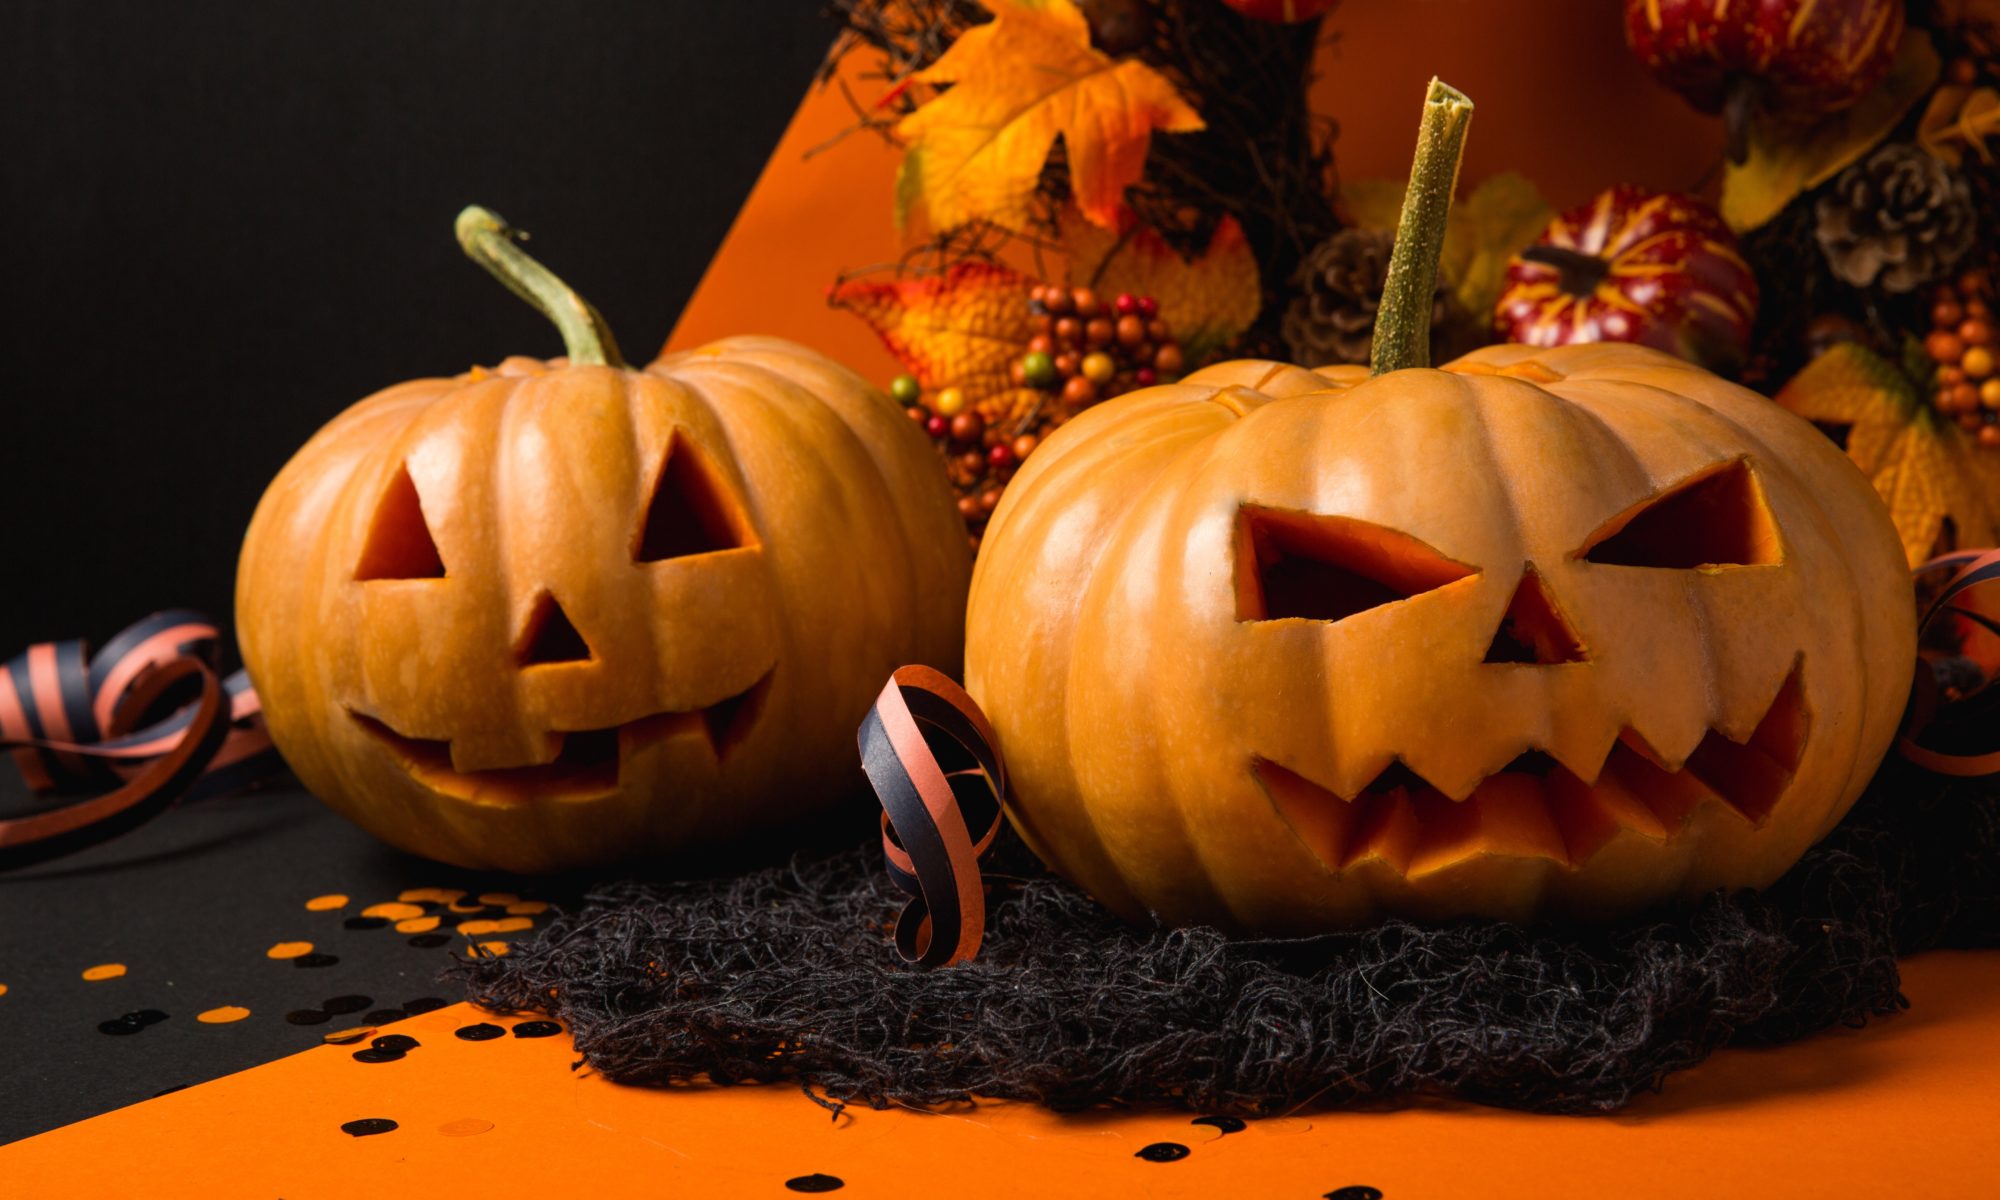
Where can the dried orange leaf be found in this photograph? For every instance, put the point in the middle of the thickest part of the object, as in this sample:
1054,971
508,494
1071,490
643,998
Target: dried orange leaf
1927,471
1208,300
1019,82
963,328
1957,117
1786,159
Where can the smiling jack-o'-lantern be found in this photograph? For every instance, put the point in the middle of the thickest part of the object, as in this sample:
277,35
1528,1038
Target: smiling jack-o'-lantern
1567,630
559,613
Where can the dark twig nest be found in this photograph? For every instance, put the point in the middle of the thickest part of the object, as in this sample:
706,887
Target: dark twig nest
788,974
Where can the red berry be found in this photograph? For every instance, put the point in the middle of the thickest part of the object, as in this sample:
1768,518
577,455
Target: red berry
967,427
1149,307
1144,377
1126,304
1001,455
918,413
937,426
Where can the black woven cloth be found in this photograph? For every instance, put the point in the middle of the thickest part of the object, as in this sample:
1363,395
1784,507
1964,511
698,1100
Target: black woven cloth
787,973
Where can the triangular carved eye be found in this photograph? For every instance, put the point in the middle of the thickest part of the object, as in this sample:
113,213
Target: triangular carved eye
400,545
690,512
550,636
1717,518
1328,568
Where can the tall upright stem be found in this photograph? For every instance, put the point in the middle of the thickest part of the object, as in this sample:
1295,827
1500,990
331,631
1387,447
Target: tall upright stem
492,243
1403,323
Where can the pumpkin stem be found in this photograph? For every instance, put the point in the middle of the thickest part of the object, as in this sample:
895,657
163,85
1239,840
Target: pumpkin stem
1403,323
1577,273
491,242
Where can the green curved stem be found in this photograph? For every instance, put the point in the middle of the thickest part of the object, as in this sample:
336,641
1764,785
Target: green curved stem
1403,323
492,243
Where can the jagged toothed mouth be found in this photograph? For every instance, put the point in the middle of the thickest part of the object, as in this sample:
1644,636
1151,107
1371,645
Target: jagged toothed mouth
1536,808
588,761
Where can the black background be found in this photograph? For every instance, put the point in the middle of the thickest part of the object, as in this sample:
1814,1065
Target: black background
227,220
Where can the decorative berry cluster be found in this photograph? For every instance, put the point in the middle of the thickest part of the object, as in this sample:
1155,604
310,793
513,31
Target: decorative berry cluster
1962,344
1089,351
1084,351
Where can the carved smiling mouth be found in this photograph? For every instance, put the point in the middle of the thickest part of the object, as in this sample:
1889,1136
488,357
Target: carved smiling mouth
589,760
1536,808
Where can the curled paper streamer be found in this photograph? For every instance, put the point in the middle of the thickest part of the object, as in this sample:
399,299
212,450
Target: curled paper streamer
1957,736
120,724
933,762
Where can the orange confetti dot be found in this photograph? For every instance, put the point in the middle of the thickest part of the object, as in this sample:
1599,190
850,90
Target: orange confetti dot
289,950
474,928
3,989
498,898
323,903
104,971
343,1037
416,925
223,1015
512,925
395,910
474,907
528,908
437,895
464,1127
494,949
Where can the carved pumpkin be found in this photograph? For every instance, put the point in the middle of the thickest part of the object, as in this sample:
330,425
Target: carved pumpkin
563,612
1568,630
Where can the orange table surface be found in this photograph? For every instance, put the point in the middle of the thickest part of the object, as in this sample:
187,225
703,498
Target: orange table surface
1904,1107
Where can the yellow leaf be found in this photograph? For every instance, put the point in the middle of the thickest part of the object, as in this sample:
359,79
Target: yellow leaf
1926,469
1493,223
1208,300
1787,158
963,328
1959,116
1029,76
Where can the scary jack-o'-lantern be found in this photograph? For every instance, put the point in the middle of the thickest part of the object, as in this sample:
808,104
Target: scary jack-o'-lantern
1568,630
563,612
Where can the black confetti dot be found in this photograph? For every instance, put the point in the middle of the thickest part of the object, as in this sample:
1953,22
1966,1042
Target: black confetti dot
1359,1191
425,941
342,1005
382,1016
422,1004
365,922
1225,1124
398,1042
816,1183
147,1016
368,1126
123,1026
373,1055
1162,1152
306,1016
534,1029
482,1032
315,960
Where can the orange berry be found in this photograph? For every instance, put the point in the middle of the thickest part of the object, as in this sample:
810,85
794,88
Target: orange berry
1066,363
1976,332
1098,367
1079,391
1157,330
1989,393
949,402
1056,300
1946,376
1965,397
1068,330
1989,435
1024,445
1947,312
1040,344
1944,347
1168,361
1099,332
1977,363
968,507
1131,331
1086,303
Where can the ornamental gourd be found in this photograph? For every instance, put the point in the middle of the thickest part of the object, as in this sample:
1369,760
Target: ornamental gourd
1563,631
558,613
1654,268
1797,57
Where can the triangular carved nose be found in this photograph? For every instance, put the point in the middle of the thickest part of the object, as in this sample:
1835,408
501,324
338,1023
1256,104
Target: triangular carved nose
1533,630
550,636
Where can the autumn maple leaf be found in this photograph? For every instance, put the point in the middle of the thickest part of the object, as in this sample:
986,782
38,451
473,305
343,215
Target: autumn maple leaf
1018,83
963,328
1942,489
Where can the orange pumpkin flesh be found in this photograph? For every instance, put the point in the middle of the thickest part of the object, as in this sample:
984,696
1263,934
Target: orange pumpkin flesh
551,615
1569,631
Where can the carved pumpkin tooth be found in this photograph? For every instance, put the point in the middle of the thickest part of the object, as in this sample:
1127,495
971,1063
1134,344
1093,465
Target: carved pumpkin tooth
1321,819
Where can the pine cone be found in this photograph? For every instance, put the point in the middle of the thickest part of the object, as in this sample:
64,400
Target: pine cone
1331,318
1896,220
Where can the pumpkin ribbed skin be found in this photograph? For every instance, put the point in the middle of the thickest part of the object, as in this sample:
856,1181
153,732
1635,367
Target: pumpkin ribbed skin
535,481
1140,714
